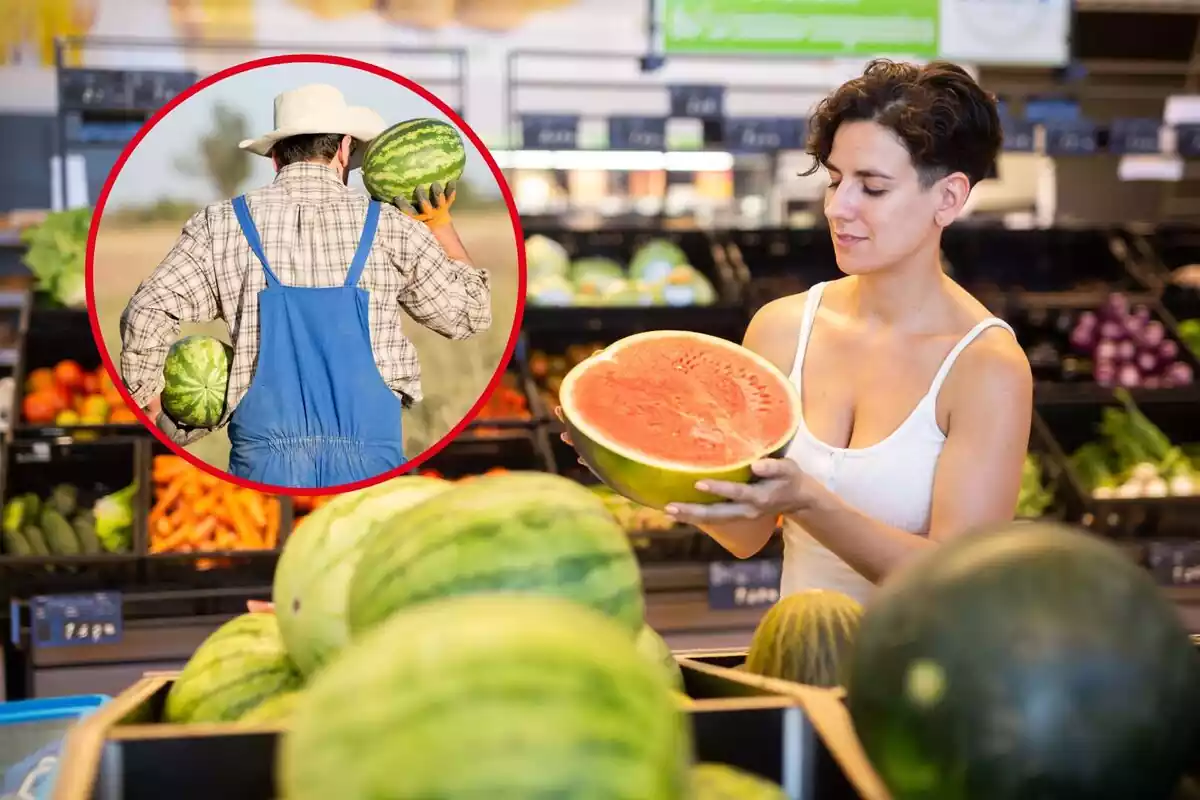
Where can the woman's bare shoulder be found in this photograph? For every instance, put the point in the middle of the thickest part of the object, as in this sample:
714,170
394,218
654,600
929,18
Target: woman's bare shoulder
774,330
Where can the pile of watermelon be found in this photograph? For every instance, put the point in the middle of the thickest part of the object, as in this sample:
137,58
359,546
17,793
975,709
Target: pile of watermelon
501,617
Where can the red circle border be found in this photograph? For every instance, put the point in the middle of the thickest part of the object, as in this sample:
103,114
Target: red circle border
310,58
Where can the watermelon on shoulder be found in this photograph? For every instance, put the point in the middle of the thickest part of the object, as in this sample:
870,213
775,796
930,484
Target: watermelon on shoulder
196,374
411,154
1029,660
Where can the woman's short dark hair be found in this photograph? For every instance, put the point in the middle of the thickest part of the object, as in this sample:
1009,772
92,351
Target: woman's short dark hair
945,119
306,147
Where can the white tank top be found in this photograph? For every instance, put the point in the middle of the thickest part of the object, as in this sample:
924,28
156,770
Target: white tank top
891,481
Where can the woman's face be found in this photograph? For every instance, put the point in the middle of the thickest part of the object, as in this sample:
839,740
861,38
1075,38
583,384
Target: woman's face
879,214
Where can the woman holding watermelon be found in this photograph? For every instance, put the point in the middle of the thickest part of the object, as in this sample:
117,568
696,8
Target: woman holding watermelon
916,400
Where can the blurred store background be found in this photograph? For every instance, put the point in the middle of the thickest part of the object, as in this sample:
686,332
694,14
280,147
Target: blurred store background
617,122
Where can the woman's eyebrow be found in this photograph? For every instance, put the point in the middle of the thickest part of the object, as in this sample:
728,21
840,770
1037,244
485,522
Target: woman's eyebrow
861,173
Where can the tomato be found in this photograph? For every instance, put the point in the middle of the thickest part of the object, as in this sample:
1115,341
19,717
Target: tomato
41,407
39,379
91,383
68,374
122,416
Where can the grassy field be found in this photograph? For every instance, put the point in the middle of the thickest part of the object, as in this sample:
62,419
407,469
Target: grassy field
454,374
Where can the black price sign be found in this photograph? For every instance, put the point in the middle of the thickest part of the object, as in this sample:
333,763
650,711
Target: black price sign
76,619
1018,135
637,133
1174,563
743,584
1133,135
1070,138
549,131
697,101
1187,141
762,134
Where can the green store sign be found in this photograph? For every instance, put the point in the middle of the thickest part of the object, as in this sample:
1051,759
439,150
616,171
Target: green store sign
812,27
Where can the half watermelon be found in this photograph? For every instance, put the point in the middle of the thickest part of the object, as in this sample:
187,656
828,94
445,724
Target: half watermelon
655,412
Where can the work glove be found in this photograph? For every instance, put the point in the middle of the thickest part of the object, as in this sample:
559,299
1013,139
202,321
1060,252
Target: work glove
432,204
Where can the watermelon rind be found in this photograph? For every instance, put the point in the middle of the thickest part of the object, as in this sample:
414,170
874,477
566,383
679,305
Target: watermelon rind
273,710
241,664
656,482
520,532
651,645
806,637
412,154
715,781
1025,660
498,696
195,378
312,579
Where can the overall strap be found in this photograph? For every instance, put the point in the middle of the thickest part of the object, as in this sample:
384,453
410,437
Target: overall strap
364,244
251,233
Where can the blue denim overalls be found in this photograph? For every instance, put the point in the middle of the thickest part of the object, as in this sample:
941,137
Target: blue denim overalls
318,412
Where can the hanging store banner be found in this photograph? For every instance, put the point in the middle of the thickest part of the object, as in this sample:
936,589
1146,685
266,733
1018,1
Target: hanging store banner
973,31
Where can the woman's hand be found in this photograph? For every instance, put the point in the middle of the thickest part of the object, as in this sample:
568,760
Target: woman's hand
782,488
260,607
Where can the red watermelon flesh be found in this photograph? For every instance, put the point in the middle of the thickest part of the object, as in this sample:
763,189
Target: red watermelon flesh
655,412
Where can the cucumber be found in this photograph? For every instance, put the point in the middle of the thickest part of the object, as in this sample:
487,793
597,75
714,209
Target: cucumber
60,535
15,544
85,530
37,542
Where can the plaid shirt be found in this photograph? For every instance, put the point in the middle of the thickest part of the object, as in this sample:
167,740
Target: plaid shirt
310,223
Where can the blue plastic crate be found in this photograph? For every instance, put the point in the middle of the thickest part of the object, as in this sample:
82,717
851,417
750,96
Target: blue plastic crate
31,735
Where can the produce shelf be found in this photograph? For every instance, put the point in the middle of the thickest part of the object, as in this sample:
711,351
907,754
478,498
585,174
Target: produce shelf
775,262
1129,513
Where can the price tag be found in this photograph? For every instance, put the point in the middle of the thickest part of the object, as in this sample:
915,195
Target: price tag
637,133
66,620
1070,138
1052,109
1187,140
1175,563
743,584
1133,136
762,134
697,101
549,131
1018,135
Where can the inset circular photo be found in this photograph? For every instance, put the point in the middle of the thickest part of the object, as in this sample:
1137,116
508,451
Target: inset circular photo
306,274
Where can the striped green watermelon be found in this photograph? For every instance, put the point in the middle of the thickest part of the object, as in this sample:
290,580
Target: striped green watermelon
240,665
313,575
517,532
498,696
654,647
410,154
196,373
712,781
806,637
275,709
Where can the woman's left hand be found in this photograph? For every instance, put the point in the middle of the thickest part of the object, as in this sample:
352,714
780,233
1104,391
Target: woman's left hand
781,488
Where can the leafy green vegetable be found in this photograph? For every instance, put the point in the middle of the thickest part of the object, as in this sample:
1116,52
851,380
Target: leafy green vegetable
1034,497
56,254
114,519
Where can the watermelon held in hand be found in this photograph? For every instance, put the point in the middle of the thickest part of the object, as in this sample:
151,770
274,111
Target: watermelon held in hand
655,412
488,696
1031,660
239,666
196,373
312,579
806,637
527,532
412,154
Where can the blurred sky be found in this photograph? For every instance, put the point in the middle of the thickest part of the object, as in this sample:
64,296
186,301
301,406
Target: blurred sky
150,173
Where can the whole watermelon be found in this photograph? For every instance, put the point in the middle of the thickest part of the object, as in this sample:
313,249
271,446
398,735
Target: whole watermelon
806,637
196,373
240,665
651,645
497,696
1028,661
411,154
529,532
312,579
713,781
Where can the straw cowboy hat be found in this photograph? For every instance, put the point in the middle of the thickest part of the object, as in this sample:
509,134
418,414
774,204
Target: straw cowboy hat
318,108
